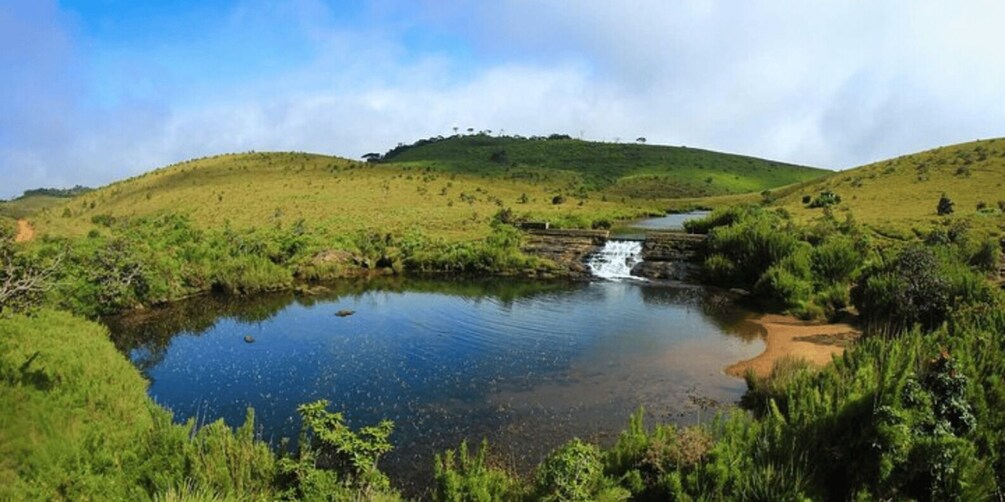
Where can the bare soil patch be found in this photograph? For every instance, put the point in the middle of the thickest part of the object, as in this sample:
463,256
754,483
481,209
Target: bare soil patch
25,232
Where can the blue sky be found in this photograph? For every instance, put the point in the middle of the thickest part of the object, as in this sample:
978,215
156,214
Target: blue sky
93,91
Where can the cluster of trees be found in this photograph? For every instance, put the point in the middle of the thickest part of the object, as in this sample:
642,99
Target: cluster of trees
57,192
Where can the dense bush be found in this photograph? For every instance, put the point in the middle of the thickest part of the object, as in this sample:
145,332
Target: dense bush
806,270
921,284
825,199
574,472
945,205
148,261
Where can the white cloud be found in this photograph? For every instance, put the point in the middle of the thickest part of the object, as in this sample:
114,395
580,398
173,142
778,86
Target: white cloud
833,84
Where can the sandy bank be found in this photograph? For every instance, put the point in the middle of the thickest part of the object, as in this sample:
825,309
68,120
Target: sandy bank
789,336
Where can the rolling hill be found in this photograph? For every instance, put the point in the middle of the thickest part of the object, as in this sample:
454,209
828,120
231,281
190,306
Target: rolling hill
634,170
444,194
897,194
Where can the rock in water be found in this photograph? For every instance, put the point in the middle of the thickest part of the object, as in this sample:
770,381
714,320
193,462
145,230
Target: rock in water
249,339
345,313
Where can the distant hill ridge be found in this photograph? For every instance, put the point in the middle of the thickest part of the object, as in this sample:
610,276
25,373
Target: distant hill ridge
629,169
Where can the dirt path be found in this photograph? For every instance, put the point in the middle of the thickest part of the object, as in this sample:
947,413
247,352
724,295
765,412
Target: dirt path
25,232
789,336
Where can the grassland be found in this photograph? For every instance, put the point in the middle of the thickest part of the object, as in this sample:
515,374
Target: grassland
897,195
447,189
24,207
279,189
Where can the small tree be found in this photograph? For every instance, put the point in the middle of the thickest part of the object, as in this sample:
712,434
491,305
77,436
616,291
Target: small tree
22,281
640,139
945,205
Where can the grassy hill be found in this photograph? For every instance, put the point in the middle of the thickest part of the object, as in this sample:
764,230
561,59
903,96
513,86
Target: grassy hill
630,170
24,207
897,194
280,189
453,197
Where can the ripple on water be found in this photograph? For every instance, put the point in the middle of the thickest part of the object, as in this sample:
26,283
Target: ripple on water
526,370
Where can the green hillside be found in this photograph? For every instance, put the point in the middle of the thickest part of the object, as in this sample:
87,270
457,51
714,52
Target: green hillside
24,207
332,195
900,193
449,188
630,170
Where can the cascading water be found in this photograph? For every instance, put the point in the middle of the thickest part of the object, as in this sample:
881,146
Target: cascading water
616,259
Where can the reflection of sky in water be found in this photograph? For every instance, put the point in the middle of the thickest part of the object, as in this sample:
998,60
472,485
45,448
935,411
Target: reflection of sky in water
637,229
527,373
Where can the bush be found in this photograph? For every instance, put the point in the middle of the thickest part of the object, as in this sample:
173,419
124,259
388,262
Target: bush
335,462
918,286
23,279
721,217
825,199
558,199
945,206
780,287
753,244
463,477
574,472
986,257
835,260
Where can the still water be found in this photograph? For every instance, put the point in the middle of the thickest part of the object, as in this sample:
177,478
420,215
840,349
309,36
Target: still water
525,364
672,221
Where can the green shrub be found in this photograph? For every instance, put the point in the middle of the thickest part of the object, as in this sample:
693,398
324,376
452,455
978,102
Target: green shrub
753,245
987,256
721,217
835,260
782,288
23,279
911,288
825,199
462,477
574,472
335,462
945,205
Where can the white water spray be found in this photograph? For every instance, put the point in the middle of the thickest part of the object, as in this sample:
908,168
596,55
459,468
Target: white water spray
616,259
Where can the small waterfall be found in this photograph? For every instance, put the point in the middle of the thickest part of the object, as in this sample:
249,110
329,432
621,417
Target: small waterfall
616,259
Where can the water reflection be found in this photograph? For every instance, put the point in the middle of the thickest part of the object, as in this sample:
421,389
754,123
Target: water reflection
526,364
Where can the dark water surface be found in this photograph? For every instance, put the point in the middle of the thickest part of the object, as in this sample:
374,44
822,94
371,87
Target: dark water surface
527,365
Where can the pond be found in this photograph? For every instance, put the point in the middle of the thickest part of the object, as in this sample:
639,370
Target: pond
526,364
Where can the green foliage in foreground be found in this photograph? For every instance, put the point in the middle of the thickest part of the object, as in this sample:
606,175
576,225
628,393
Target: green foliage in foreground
76,424
818,270
912,418
805,270
151,260
911,412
